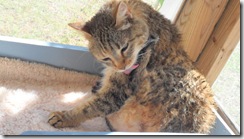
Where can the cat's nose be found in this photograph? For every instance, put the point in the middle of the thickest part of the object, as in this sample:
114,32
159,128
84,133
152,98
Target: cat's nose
121,66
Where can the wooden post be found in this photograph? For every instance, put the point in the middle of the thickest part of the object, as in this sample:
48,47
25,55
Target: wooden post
196,23
221,43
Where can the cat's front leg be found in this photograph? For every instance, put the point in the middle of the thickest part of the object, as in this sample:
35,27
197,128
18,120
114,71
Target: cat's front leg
96,87
61,119
108,100
71,118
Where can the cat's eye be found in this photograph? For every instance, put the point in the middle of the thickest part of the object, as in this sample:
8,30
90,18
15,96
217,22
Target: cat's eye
125,48
106,59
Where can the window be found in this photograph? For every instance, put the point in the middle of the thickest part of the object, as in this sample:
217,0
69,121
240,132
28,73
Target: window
227,87
48,20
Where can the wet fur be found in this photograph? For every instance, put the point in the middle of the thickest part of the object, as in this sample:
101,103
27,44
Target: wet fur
165,93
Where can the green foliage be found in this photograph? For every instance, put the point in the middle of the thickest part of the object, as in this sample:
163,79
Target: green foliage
160,4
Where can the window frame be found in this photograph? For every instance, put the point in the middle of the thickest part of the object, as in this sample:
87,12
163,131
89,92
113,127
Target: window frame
70,58
228,15
79,59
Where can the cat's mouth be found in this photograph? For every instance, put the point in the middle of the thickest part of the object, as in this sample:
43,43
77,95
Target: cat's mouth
129,70
151,40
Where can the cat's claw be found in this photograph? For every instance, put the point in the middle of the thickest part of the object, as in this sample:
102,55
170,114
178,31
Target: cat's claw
57,119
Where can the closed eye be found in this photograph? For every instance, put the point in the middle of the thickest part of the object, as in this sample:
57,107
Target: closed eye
124,48
106,59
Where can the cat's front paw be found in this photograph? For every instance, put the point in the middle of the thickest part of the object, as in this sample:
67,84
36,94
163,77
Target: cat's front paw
59,120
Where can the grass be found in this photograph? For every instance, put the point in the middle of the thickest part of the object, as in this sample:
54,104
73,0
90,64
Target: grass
47,20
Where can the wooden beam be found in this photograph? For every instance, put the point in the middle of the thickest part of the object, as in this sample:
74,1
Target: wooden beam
221,43
196,23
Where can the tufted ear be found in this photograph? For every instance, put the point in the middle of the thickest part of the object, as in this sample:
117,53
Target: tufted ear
80,27
122,15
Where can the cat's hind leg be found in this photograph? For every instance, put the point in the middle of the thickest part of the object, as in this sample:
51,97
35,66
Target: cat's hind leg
126,119
134,117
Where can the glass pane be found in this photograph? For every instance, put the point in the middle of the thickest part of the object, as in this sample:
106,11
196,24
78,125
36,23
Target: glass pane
227,87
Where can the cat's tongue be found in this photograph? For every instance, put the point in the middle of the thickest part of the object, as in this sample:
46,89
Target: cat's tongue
128,71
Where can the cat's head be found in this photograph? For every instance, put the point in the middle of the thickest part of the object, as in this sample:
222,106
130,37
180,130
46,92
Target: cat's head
116,35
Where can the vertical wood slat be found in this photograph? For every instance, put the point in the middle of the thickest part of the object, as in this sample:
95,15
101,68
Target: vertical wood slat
221,43
196,23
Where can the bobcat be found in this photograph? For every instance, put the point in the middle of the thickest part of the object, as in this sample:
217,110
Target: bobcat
149,83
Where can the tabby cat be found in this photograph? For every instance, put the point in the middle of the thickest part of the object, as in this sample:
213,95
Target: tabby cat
149,83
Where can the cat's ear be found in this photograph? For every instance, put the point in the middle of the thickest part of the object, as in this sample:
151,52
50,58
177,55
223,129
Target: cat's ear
122,15
80,27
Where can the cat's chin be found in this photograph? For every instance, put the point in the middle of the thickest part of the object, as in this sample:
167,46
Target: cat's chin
120,71
129,70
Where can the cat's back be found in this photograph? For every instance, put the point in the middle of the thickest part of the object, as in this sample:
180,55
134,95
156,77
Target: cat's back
180,92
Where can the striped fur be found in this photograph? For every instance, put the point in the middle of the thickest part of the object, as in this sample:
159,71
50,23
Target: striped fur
165,93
